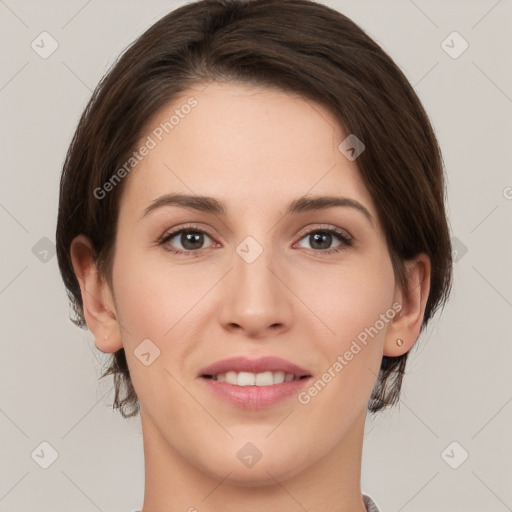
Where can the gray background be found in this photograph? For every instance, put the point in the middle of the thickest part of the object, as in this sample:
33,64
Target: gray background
458,383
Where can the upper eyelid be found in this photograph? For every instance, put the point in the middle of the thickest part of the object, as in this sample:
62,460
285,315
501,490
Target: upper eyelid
324,227
176,231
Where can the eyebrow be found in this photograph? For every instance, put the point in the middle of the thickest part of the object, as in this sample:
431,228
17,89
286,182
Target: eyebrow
211,205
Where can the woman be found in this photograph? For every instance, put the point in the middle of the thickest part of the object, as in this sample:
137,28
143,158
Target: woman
252,222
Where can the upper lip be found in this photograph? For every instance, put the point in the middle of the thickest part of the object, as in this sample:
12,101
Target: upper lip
259,365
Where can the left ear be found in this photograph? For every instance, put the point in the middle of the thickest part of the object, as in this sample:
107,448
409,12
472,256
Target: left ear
406,325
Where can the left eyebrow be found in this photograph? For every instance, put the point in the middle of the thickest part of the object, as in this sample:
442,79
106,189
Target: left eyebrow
216,207
311,203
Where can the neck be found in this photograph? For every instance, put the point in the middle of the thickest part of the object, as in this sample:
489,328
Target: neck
175,484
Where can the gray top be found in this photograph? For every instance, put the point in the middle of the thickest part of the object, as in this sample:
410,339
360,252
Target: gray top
369,503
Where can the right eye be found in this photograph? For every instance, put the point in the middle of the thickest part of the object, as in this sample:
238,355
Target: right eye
190,238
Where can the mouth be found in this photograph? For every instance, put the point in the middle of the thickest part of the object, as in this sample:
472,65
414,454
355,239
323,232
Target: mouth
263,371
254,383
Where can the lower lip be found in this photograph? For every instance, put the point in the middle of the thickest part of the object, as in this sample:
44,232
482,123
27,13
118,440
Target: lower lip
255,397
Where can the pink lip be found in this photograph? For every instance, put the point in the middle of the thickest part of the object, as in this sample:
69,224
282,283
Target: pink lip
254,397
260,365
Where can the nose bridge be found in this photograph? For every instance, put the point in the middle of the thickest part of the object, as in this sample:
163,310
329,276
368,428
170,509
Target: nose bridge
253,260
255,298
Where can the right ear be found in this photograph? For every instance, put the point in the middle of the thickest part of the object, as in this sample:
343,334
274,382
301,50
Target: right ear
97,298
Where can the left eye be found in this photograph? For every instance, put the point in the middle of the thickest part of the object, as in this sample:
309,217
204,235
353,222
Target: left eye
321,239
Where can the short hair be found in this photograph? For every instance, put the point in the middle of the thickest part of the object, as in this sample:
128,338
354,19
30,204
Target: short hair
297,46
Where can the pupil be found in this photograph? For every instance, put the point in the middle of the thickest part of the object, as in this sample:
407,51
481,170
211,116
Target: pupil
191,241
322,237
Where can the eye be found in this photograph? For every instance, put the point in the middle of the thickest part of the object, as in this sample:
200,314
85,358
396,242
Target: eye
188,239
320,240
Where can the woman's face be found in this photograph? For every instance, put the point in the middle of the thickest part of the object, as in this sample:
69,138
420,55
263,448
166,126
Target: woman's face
259,281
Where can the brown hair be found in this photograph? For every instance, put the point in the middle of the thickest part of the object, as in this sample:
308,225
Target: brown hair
292,45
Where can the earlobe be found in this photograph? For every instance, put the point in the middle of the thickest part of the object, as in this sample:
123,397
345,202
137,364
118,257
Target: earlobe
99,314
405,328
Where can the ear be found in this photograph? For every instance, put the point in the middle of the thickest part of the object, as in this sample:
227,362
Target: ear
406,325
97,298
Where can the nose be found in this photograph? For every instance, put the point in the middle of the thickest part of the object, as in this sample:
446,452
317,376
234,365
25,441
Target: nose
256,301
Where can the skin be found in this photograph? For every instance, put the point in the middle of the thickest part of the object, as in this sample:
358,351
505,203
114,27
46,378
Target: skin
256,149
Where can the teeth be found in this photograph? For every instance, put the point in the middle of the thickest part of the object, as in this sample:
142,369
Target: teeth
246,379
254,379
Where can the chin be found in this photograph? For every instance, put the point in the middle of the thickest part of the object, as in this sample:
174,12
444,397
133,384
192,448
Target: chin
267,466
262,476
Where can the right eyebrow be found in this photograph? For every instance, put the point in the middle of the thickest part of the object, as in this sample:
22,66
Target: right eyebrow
195,202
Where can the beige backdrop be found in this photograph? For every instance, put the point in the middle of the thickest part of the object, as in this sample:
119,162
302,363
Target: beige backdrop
457,396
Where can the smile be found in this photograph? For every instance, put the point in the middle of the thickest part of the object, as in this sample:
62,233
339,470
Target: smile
254,383
254,379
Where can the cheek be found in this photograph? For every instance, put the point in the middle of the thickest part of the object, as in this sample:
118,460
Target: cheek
152,296
354,310
364,312
156,301
354,302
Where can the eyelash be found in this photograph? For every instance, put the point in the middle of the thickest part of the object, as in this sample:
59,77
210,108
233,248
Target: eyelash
342,236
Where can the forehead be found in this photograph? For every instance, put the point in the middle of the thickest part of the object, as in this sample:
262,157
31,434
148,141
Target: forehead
249,146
